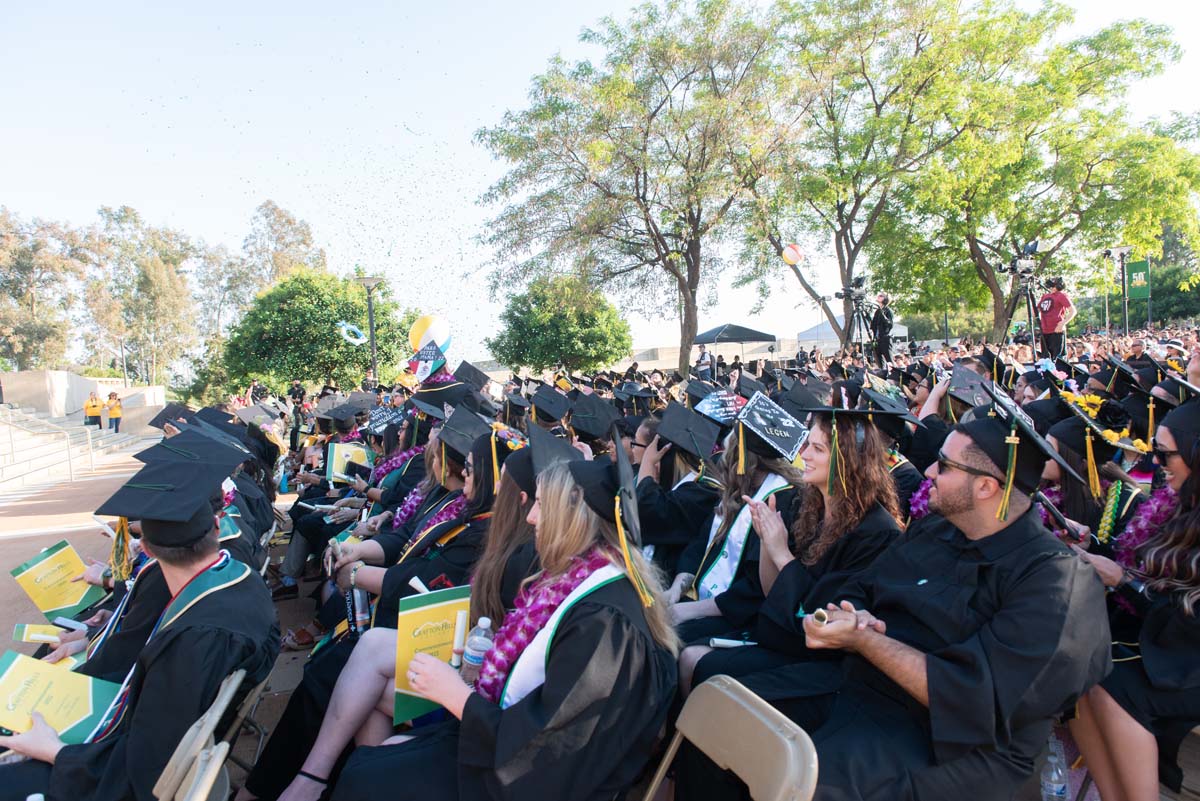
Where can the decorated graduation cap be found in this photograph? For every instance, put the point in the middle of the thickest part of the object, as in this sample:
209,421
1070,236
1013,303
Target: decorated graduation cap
429,339
593,417
721,405
256,415
378,423
1011,442
689,431
171,499
193,447
472,375
764,428
966,386
547,450
1098,427
549,404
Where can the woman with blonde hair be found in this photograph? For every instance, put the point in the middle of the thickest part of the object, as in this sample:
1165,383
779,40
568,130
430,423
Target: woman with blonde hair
571,697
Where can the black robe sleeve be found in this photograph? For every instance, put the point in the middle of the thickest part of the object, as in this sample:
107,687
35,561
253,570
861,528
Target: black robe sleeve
126,764
927,441
1170,641
586,732
672,519
439,568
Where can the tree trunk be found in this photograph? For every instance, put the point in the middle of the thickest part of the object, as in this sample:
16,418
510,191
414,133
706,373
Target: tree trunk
689,320
777,243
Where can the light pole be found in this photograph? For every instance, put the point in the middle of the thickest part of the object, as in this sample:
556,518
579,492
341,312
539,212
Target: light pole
369,282
1120,253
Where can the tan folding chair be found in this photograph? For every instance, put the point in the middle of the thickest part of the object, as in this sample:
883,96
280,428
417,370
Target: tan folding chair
196,740
743,733
245,717
207,780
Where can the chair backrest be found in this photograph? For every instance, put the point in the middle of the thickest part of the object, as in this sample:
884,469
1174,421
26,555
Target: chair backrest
196,739
208,780
244,710
743,733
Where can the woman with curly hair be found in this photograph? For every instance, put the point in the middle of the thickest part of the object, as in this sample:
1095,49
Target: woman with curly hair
846,514
1153,691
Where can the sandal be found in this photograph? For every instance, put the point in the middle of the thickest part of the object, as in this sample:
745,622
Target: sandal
300,639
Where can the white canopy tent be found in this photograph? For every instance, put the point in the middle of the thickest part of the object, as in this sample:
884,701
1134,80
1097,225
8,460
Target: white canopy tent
823,334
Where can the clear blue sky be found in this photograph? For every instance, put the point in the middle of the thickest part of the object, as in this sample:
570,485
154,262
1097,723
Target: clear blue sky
358,118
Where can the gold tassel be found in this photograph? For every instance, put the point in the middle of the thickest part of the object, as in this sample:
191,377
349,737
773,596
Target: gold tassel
1093,473
443,460
495,464
639,583
1010,475
741,449
122,569
1150,425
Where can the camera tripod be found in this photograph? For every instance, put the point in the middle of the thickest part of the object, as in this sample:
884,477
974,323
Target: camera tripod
1025,285
858,330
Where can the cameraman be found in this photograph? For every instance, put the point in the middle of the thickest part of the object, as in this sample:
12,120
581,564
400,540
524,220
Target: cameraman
1055,310
881,329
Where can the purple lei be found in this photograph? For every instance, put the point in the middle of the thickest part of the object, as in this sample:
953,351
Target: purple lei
353,436
1054,495
1150,517
440,378
383,468
534,606
918,502
412,502
448,512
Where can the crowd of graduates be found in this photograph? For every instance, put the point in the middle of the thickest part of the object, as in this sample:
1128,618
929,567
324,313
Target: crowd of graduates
1004,553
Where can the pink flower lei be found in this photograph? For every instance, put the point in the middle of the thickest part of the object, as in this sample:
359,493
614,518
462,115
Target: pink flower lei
382,469
534,606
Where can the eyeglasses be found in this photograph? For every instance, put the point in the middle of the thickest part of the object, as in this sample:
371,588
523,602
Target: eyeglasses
636,444
468,469
1161,455
944,462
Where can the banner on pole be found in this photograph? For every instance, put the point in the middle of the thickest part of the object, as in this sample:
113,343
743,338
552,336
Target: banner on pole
1139,279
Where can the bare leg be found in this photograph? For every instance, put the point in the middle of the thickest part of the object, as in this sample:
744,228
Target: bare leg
245,795
371,668
1095,750
1134,750
378,726
687,666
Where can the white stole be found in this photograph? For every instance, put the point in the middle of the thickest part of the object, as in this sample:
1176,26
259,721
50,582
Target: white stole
720,574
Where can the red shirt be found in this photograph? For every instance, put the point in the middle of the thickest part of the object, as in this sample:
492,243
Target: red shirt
1052,308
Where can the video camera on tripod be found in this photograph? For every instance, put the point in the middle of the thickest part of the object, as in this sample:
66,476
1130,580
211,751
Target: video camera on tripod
1023,265
856,291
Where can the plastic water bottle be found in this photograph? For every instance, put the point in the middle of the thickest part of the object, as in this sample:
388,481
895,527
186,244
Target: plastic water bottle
479,642
1054,780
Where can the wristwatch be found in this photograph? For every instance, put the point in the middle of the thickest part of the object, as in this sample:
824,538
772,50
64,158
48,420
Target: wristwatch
1135,584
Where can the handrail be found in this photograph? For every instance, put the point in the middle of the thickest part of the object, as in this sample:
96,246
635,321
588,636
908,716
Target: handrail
8,412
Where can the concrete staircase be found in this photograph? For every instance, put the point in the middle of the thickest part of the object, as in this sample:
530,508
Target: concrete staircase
35,447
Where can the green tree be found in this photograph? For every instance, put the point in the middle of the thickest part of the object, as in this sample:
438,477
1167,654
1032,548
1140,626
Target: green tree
627,171
1059,162
278,244
896,82
291,331
39,264
561,321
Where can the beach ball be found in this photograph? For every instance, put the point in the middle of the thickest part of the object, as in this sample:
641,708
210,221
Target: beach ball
429,328
792,255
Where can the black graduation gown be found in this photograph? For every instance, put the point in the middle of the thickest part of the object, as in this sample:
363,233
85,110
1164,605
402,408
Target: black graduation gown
252,501
740,602
907,479
175,679
113,659
393,540
800,589
411,473
672,519
245,546
1013,632
584,735
927,440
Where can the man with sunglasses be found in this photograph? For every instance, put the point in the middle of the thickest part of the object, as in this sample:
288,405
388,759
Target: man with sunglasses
961,642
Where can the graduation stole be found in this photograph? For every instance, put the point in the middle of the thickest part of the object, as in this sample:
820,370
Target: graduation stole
229,529
719,575
114,623
529,671
222,574
893,459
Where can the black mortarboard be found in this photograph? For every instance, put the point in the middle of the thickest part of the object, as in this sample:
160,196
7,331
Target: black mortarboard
548,450
550,403
1046,412
214,416
345,413
460,431
887,405
688,430
1184,423
193,446
226,433
632,389
765,428
602,384
1075,371
256,415
171,499
361,400
470,374
1011,442
593,416
720,405
427,409
170,414
697,390
747,386
966,385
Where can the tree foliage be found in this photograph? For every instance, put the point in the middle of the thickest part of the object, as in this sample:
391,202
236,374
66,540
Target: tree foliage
626,171
561,321
291,331
279,243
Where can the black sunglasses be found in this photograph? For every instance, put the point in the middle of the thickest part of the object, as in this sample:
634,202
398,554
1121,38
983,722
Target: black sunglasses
1161,455
944,462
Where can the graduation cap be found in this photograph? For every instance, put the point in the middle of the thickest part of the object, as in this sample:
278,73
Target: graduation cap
171,413
459,432
766,429
1046,412
550,403
563,382
1099,427
1184,423
547,450
696,391
1075,371
888,405
171,499
747,386
226,433
1011,442
344,413
689,431
361,400
721,405
421,408
427,361
966,386
326,403
256,415
214,416
472,375
632,389
192,446
593,416
600,383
